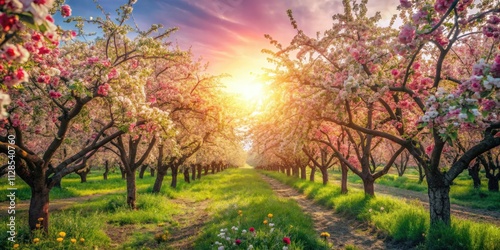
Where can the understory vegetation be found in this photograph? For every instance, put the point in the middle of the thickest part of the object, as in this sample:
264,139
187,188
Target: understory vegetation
405,221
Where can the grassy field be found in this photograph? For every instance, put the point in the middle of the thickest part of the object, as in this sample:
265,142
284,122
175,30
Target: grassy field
461,192
401,221
236,199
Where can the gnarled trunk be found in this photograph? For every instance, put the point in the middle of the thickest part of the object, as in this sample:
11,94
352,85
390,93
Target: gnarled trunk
39,207
439,203
162,171
303,172
142,170
106,170
186,175
343,180
199,167
324,173
152,172
131,189
493,183
193,172
175,170
368,185
313,172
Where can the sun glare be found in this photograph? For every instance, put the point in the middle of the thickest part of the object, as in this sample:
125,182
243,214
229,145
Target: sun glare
249,90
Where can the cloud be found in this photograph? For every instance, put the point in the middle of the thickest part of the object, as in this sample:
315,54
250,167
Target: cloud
230,33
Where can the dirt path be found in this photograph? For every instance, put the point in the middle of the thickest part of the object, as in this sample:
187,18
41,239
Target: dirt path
191,221
475,214
343,231
183,232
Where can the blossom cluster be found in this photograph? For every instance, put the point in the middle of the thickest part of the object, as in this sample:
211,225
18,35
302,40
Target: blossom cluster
475,103
22,25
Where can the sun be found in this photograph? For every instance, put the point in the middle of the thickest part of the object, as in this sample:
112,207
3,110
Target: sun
248,89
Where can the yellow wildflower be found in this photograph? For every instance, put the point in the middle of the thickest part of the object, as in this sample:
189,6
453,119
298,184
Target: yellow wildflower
265,222
270,216
82,240
59,239
15,246
36,240
62,234
73,241
40,219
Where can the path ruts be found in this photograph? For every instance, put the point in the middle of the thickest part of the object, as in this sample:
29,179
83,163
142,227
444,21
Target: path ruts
343,231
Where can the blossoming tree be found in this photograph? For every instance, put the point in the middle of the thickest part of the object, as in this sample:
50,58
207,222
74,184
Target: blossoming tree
430,80
62,85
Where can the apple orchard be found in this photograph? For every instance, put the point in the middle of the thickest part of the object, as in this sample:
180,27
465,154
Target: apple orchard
424,88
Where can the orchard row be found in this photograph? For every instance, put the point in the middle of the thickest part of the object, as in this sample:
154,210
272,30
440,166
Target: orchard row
368,96
129,96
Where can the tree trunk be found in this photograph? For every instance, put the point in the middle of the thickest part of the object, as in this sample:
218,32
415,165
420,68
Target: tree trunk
295,171
493,183
343,181
199,167
83,176
206,170
186,175
439,203
152,171
131,189
142,170
58,184
303,172
288,171
213,169
39,208
124,174
421,174
175,169
368,185
106,170
313,172
324,173
162,171
193,172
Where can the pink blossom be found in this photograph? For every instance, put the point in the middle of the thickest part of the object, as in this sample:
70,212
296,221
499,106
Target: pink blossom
428,149
495,67
54,94
21,75
462,5
113,73
131,127
36,37
407,34
43,79
65,10
488,105
494,19
405,3
442,6
7,22
43,50
395,72
103,89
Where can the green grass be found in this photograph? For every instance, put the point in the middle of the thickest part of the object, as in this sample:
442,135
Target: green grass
71,186
226,193
402,221
462,191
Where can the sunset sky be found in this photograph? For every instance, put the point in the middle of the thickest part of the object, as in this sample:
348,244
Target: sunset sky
230,33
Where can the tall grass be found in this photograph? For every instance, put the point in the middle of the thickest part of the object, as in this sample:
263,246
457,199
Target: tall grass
399,219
